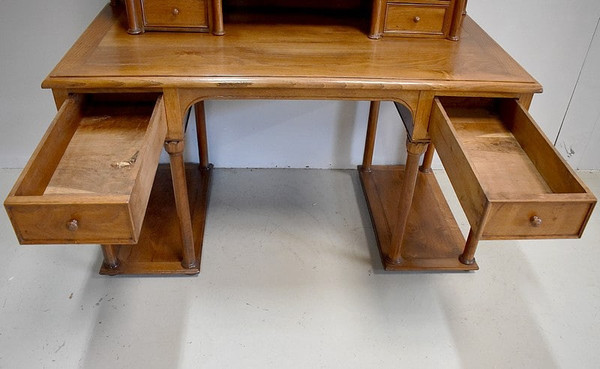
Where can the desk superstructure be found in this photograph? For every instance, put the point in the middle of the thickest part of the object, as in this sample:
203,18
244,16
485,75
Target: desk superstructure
128,96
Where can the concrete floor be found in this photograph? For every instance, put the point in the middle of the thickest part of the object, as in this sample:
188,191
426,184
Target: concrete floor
291,278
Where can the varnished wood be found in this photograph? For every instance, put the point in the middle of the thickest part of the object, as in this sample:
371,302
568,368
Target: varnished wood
413,18
433,240
201,134
506,172
216,19
418,131
468,255
175,15
371,134
377,19
60,96
414,152
279,56
72,178
460,7
159,248
427,159
175,114
111,261
417,20
175,150
134,17
525,100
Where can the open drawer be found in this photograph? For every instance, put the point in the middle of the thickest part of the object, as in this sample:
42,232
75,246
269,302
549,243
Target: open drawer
510,180
89,179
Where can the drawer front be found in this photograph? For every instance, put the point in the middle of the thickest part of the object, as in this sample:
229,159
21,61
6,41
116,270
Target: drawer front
90,178
177,13
508,177
416,19
536,220
71,223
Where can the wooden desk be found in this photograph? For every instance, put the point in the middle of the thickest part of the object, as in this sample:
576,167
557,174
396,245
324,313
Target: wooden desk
414,226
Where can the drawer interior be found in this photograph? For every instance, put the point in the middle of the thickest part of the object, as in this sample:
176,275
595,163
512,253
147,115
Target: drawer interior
96,151
510,156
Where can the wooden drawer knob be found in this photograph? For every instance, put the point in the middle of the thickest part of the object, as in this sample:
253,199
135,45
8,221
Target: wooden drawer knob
417,19
536,221
72,225
175,11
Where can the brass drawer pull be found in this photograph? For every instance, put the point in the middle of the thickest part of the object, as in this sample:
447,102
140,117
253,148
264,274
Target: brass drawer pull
417,19
72,225
175,11
536,221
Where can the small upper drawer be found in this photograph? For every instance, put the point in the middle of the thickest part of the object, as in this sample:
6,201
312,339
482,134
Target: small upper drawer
89,179
417,19
175,13
509,178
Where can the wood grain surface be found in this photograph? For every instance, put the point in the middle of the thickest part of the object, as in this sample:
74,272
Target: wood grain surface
296,55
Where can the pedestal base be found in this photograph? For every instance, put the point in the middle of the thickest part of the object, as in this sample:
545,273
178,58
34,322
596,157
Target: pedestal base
159,248
433,240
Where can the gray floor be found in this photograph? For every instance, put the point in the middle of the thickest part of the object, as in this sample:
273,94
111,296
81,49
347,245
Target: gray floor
291,278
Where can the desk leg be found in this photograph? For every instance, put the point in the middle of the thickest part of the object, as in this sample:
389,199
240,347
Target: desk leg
371,133
201,134
175,150
413,223
110,256
427,159
468,256
414,150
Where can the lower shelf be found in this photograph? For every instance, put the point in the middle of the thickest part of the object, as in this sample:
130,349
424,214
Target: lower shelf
159,248
433,240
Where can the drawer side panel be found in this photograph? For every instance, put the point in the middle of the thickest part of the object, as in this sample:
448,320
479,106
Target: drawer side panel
463,179
149,157
550,164
44,160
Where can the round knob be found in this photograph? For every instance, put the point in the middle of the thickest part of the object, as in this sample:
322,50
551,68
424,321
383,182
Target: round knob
535,221
416,19
175,11
72,225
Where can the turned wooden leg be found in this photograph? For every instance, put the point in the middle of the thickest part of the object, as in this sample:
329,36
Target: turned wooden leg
459,13
427,159
110,256
201,134
217,18
175,150
371,133
414,150
134,17
377,17
468,255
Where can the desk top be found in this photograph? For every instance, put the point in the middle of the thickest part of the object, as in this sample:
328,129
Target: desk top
297,56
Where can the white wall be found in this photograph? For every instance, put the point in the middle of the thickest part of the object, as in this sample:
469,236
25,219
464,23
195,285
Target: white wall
580,131
34,35
548,37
